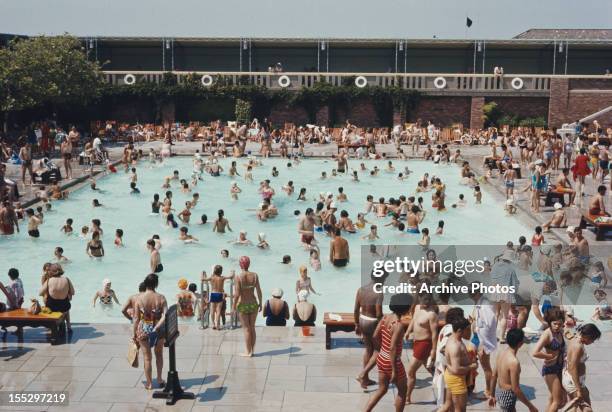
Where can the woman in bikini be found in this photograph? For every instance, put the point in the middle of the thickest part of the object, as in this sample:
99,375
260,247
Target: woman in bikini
390,331
246,304
149,309
551,349
94,248
217,295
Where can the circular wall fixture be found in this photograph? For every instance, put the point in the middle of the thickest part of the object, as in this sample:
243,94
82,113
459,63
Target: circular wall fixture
284,81
361,81
129,79
517,83
206,80
439,82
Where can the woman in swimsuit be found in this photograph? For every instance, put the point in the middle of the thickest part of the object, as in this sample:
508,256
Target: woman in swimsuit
574,369
185,215
390,332
186,300
150,309
217,295
304,282
94,248
246,304
551,348
57,291
106,296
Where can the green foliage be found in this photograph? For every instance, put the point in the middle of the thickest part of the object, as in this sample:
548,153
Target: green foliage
491,114
46,70
538,121
243,111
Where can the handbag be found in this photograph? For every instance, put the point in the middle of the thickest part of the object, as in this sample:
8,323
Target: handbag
132,355
34,307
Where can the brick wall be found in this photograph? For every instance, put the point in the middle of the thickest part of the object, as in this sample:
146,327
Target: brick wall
361,113
442,110
566,105
476,112
522,106
283,113
557,105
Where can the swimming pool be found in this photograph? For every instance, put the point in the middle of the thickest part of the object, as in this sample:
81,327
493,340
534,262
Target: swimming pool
126,267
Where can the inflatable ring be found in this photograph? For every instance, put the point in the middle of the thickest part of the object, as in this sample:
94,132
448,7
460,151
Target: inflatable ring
517,83
361,81
439,82
206,80
129,79
284,81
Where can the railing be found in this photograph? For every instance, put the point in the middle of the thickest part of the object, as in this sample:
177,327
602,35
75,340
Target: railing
426,82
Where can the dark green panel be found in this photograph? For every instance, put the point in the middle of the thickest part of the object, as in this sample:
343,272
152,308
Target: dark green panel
292,59
202,58
368,60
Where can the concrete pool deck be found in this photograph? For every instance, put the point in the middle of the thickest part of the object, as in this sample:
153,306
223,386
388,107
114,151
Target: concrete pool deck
289,373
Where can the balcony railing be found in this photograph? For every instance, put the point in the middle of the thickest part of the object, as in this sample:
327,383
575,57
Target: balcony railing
434,83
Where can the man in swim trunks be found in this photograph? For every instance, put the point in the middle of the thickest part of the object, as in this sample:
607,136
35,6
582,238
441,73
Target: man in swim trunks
582,246
458,365
306,227
597,207
507,375
367,313
485,329
8,219
563,185
338,249
424,327
509,176
25,154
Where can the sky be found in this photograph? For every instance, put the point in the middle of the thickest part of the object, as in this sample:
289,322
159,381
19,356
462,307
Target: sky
398,19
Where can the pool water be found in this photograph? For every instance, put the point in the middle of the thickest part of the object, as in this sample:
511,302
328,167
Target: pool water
126,267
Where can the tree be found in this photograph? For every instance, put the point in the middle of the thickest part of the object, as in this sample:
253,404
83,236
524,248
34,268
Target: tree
46,70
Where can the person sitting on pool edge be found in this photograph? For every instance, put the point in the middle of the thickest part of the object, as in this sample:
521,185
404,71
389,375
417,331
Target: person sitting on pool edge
276,310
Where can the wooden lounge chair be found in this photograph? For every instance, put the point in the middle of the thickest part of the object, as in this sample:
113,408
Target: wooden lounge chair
600,227
21,318
347,324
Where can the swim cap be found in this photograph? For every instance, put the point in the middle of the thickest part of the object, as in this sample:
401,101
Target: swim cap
106,282
244,262
183,283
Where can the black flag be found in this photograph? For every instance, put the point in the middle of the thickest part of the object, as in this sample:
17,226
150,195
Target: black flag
468,22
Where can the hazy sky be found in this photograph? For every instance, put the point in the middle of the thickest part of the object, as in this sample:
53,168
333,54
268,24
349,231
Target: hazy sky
300,18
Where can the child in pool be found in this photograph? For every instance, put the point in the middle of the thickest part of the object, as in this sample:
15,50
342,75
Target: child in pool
425,240
477,195
119,238
234,190
262,242
394,220
538,237
361,221
598,276
59,256
185,236
373,235
67,228
315,261
440,229
106,296
84,232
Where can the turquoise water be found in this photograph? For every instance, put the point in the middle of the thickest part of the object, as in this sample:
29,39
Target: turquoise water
126,267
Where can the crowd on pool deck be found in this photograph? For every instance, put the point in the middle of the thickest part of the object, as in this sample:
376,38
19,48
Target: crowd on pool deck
446,342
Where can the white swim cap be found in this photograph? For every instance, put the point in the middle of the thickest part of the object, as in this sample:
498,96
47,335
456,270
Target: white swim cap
558,206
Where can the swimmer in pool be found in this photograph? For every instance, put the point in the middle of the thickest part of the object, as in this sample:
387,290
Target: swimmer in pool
106,296
221,223
185,236
119,238
341,195
234,190
373,235
288,188
242,239
185,214
262,242
59,256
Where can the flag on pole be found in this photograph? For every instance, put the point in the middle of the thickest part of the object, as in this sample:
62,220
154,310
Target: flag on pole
468,22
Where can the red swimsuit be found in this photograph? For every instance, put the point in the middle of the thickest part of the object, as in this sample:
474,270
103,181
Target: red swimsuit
383,361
